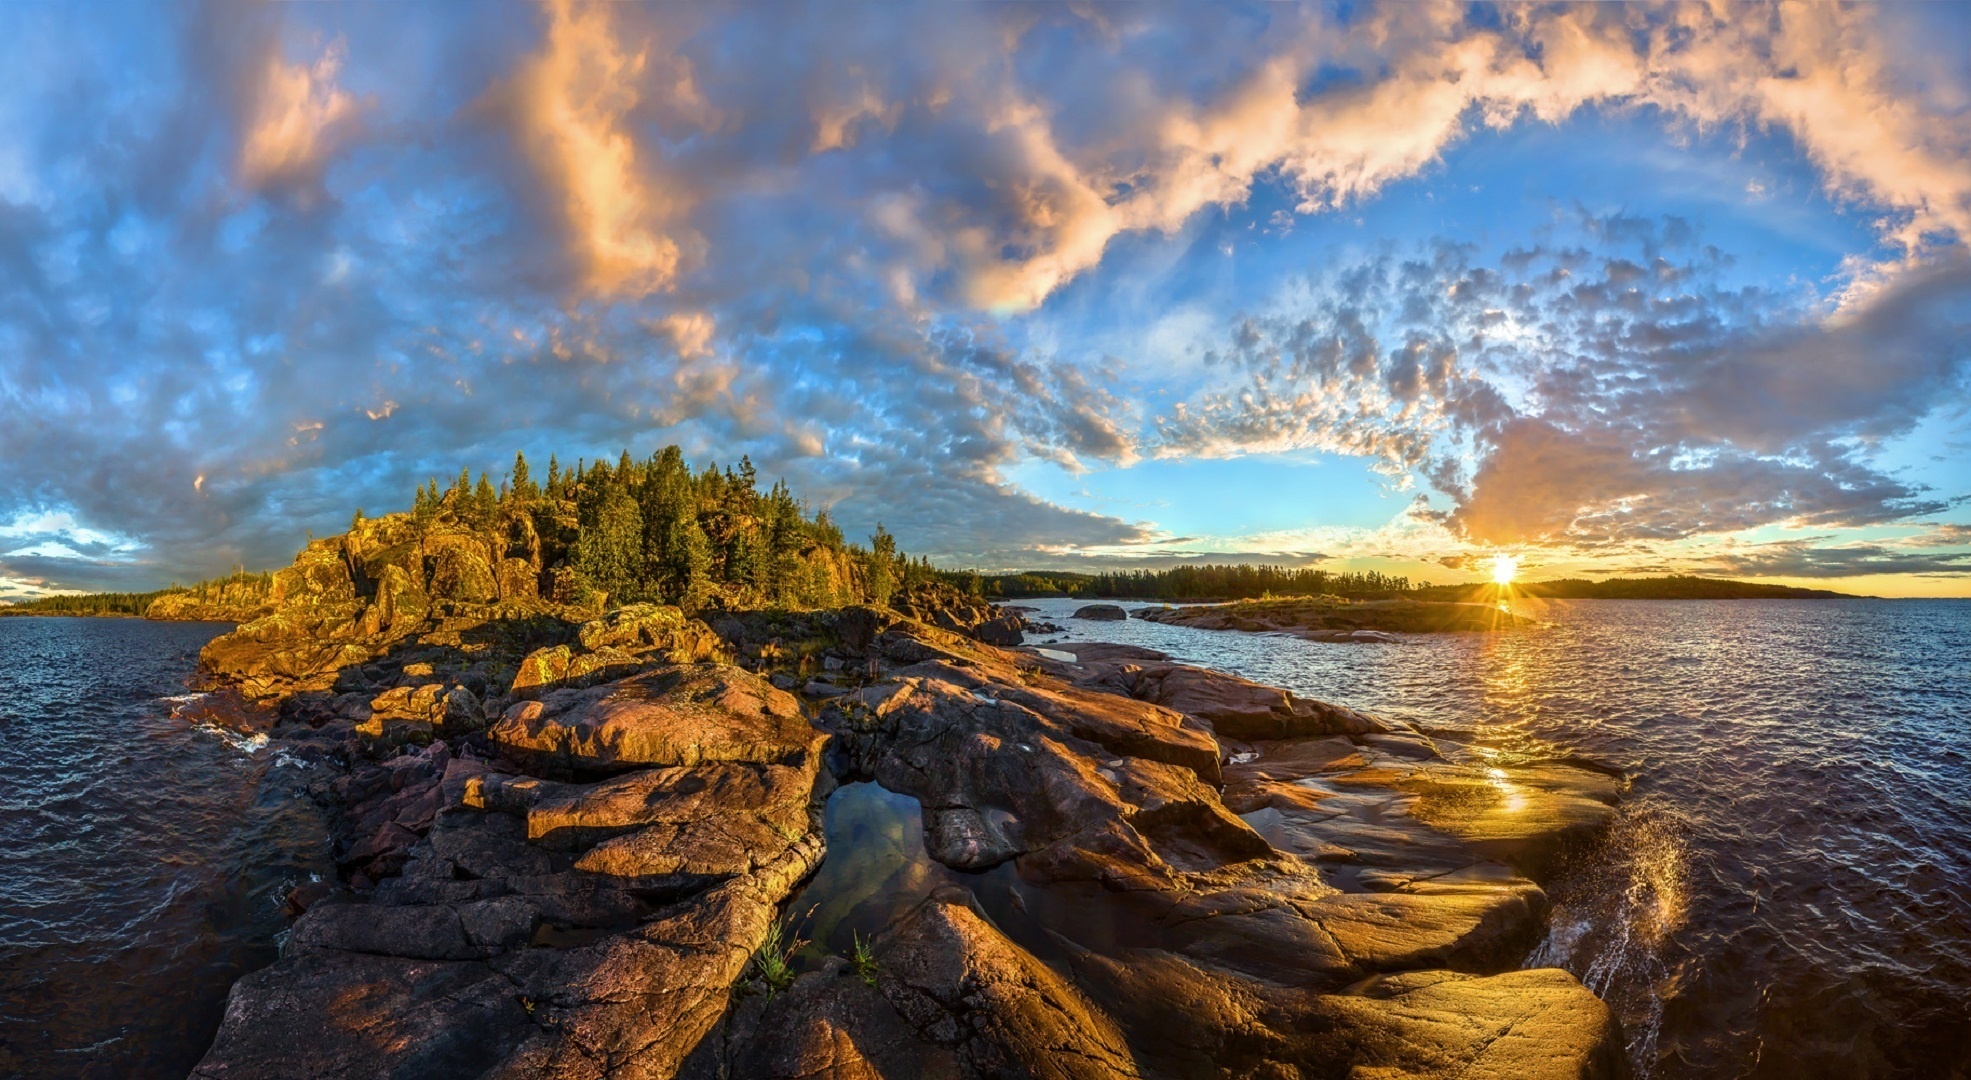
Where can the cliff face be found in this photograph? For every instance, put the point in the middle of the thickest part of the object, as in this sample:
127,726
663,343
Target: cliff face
227,602
350,598
395,582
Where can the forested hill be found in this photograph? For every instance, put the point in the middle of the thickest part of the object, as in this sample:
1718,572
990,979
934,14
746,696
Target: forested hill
652,529
1673,587
234,598
657,530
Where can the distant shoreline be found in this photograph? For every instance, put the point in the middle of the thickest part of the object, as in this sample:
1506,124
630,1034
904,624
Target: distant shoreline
1675,587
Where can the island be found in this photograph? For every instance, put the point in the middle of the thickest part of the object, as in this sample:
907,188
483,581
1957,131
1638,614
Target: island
1334,618
574,749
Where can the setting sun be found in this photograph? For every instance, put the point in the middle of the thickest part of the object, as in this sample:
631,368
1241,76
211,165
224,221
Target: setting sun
1504,568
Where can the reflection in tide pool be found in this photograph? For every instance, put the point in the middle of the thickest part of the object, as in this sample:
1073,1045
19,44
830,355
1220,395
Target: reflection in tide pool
875,871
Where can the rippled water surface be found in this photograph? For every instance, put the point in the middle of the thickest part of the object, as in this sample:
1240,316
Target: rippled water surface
1788,892
140,871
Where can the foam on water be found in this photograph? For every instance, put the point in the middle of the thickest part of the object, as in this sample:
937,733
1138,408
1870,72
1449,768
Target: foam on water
246,742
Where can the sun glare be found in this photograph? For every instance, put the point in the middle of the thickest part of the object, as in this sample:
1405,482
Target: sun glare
1504,569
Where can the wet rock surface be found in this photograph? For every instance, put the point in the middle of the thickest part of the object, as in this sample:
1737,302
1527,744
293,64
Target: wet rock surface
553,872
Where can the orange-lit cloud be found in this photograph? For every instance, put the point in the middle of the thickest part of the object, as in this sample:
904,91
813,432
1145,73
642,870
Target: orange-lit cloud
293,120
571,106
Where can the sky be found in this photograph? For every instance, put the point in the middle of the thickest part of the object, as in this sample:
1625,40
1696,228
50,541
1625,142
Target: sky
1612,289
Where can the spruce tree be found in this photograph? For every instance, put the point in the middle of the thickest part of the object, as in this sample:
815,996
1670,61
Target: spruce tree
485,503
882,566
523,487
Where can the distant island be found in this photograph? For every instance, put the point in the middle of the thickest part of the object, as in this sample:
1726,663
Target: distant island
1214,583
1670,587
238,597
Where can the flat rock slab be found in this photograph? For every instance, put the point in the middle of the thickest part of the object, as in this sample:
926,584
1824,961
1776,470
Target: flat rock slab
1521,1025
673,716
1234,708
345,1016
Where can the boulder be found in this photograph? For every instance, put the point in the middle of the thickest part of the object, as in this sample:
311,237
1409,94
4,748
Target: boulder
1101,613
541,671
671,716
517,579
318,577
1234,708
460,569
829,1025
665,629
964,986
940,605
718,820
406,713
335,1014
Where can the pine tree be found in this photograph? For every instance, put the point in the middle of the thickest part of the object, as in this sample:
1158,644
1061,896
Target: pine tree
882,566
610,551
523,487
485,503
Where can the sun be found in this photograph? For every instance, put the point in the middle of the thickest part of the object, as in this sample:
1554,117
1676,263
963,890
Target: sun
1504,569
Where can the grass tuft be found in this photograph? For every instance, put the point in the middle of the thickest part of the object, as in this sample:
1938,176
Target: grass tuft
773,964
863,959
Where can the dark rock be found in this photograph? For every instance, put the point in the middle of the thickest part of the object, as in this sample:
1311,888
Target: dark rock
1235,708
964,986
829,1025
944,607
1101,613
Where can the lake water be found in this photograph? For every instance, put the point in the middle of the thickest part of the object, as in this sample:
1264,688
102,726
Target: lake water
1788,891
142,866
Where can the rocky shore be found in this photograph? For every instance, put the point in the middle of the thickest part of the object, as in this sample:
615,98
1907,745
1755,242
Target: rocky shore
1328,618
564,840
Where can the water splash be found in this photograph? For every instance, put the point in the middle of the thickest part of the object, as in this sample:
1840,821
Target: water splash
1614,917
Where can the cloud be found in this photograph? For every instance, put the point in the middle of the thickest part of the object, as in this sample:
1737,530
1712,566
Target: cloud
1595,395
296,116
1804,559
817,240
571,106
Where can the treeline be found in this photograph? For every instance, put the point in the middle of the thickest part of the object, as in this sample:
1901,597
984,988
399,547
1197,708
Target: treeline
657,530
1204,582
107,603
220,590
1671,587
